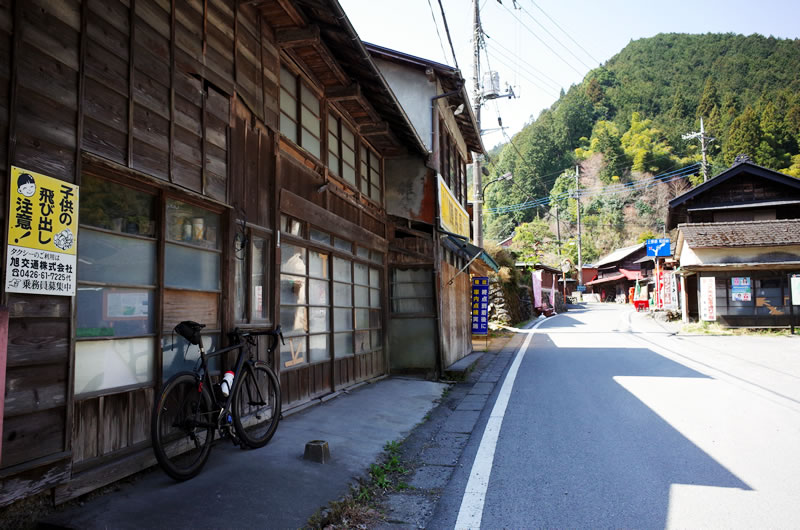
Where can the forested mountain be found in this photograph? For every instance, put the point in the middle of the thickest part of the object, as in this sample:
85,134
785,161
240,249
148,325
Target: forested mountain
623,124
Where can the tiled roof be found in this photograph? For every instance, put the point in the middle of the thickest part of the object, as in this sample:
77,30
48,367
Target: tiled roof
742,234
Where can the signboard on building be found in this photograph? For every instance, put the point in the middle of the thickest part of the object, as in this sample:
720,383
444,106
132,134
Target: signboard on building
708,298
581,288
480,305
794,285
669,291
452,216
741,289
658,247
42,234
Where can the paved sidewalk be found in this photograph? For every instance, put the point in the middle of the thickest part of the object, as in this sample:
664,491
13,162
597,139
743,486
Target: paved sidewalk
434,449
271,487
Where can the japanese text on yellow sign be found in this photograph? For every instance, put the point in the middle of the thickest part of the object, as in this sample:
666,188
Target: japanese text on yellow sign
452,215
42,234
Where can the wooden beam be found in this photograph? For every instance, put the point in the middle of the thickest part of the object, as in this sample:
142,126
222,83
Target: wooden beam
296,37
374,129
291,11
352,91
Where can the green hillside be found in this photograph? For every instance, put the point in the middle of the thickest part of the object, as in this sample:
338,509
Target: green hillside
623,124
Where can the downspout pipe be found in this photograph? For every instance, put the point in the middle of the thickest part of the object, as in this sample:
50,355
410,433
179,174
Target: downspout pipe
433,112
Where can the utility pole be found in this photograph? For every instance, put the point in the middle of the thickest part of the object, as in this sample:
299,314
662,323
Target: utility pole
477,227
703,138
578,206
558,233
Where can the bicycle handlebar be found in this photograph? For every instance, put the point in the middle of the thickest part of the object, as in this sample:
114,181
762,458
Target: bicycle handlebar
277,332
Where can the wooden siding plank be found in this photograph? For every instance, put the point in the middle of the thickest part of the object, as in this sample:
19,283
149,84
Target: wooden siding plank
37,341
32,389
32,436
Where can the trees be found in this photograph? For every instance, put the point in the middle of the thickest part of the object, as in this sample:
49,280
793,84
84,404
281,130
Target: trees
744,137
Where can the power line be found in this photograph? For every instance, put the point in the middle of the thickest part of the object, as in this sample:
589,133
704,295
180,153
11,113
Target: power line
554,37
436,25
518,71
529,65
633,186
565,32
447,30
542,41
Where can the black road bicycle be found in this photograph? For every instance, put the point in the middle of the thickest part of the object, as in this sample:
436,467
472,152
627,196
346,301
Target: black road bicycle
191,408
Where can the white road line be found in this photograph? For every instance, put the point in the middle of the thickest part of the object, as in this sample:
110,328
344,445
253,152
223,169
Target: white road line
471,511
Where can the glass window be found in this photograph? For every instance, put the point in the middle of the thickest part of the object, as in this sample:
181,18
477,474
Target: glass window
304,299
179,355
116,292
258,279
107,205
291,226
370,174
105,364
333,144
343,245
114,312
412,291
109,258
319,236
193,225
189,268
288,104
307,115
293,259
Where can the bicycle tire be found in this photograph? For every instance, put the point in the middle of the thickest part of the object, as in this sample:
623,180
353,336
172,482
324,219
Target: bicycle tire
181,445
257,405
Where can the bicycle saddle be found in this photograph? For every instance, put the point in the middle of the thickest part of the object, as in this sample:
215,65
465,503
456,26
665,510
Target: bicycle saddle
190,331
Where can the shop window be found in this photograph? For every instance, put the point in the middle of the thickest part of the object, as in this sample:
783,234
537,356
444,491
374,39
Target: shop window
305,301
300,119
116,294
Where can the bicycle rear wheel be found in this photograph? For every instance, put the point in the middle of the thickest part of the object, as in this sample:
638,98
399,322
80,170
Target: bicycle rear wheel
182,427
257,405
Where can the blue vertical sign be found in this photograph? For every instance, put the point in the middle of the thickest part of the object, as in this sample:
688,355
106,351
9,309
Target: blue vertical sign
480,305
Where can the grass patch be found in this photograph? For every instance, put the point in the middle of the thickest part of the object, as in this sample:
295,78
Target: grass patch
357,509
714,328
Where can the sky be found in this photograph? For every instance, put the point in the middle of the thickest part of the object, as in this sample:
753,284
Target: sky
541,46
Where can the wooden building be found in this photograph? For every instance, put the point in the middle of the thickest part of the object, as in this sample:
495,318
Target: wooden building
231,157
617,273
738,243
430,257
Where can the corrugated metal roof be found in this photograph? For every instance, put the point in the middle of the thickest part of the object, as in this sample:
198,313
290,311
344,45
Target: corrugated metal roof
619,254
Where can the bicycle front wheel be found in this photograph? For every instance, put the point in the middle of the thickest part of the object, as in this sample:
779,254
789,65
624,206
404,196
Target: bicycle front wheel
182,427
257,405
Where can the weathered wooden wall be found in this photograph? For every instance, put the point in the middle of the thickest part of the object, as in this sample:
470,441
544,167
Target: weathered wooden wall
146,85
455,324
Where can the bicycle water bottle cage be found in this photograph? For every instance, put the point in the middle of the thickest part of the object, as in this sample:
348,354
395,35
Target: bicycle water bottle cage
190,331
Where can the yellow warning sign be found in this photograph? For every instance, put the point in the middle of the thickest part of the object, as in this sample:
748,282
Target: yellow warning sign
42,234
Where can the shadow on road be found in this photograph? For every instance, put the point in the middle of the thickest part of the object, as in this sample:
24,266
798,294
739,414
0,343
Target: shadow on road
585,451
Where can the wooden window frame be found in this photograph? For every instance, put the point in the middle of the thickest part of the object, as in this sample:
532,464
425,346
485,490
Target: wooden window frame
372,174
161,195
297,119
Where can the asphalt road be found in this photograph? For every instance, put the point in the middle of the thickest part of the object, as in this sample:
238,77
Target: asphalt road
614,422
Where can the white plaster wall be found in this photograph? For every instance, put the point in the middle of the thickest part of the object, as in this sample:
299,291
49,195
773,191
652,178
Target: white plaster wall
414,92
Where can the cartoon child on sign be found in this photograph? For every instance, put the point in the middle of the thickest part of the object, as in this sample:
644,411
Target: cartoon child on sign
26,187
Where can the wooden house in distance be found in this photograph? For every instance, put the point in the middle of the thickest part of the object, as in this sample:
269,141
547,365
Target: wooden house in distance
738,244
231,160
430,254
617,272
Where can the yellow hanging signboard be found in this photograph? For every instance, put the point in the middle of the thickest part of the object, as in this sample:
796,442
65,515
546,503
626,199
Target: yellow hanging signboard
42,234
452,216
